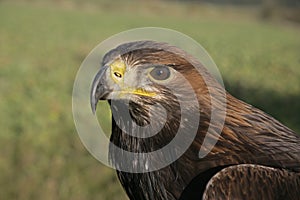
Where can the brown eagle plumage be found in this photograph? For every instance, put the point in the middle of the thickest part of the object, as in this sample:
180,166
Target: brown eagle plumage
255,156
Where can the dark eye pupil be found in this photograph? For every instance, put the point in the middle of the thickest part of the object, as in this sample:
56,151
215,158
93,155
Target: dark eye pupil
160,73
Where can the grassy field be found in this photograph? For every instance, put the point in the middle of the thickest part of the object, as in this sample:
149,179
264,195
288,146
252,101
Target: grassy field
43,44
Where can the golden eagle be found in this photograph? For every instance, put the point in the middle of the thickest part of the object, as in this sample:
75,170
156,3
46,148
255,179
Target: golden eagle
255,156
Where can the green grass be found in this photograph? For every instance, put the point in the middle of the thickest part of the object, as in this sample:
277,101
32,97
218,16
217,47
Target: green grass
42,46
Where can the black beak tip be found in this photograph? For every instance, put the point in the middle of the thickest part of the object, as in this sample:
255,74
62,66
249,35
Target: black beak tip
94,105
98,89
93,98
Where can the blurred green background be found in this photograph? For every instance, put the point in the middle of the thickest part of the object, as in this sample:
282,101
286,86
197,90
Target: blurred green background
42,44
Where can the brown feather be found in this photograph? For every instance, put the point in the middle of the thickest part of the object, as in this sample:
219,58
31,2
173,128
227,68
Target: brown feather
248,181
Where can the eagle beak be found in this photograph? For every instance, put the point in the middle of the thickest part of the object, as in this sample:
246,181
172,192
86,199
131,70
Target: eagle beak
99,89
111,85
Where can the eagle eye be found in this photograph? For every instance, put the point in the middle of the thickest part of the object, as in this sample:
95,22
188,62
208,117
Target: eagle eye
160,73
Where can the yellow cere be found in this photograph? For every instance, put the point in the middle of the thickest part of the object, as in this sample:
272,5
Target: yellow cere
119,67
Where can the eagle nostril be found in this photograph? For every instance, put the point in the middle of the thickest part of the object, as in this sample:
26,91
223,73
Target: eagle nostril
117,74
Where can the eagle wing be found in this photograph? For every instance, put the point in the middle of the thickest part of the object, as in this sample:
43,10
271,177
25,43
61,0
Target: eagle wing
248,181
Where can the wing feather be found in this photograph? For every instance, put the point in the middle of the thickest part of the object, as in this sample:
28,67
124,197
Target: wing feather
248,181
